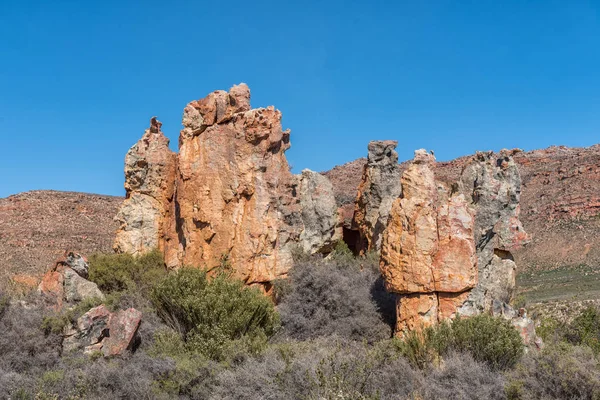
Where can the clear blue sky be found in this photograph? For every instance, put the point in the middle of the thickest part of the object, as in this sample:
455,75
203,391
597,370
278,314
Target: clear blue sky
79,80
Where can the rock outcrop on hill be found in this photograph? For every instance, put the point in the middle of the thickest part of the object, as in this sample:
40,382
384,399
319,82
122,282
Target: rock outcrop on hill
229,196
379,187
150,168
428,254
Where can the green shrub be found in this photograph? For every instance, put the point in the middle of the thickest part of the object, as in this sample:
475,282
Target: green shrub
585,329
491,340
214,315
119,272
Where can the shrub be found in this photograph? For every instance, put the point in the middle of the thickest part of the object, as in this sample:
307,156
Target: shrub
493,341
461,377
585,329
24,347
336,297
119,272
210,314
320,369
559,371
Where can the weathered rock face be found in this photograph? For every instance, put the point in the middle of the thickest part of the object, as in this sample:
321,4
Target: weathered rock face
229,193
379,187
66,282
145,215
235,193
99,330
428,252
322,226
493,184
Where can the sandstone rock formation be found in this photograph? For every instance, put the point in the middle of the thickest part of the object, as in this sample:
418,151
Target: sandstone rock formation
99,330
229,194
428,252
150,168
493,185
559,202
379,187
235,192
66,282
321,224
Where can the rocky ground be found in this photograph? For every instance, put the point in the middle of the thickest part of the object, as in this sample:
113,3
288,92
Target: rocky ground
37,227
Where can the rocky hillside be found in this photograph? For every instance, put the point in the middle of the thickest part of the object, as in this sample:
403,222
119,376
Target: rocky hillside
37,227
560,202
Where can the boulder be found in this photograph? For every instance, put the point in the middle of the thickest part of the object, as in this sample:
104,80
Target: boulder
321,225
379,187
66,282
99,330
122,327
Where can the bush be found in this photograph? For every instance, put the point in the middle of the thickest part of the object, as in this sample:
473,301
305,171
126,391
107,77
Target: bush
557,372
119,272
493,341
585,329
346,369
214,315
336,297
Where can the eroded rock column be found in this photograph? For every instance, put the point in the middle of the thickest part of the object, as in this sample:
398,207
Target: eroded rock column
379,187
428,253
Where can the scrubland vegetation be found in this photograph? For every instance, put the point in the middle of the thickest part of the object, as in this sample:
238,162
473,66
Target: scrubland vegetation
328,337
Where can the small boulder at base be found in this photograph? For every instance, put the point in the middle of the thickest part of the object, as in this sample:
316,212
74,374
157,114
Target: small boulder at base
99,330
122,327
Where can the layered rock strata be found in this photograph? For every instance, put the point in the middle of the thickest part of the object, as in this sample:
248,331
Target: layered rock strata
428,254
379,187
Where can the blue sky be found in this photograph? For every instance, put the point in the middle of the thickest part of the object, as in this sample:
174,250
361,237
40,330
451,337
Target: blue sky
79,81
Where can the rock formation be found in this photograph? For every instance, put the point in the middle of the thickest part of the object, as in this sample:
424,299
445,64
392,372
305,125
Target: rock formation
66,282
379,187
428,252
144,216
492,183
321,225
235,192
229,194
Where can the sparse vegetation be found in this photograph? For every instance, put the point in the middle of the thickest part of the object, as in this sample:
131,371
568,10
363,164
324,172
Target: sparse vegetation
212,337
